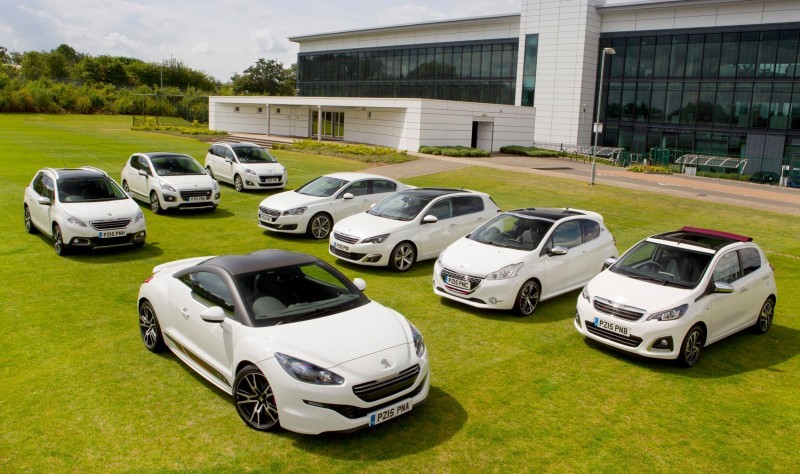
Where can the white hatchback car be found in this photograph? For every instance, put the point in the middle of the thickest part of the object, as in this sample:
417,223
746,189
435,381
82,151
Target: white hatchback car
411,225
285,334
523,256
82,208
169,181
245,166
674,293
315,206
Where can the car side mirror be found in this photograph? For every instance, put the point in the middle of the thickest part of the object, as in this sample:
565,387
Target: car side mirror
609,261
143,173
557,250
347,196
214,314
44,201
430,219
360,283
722,287
228,160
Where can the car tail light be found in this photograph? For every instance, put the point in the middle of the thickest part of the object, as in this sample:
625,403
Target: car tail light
147,280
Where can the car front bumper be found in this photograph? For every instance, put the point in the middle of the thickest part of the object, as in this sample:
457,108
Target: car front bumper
374,255
188,199
250,181
89,237
485,294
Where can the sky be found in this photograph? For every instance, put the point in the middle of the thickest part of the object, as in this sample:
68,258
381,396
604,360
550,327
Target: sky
218,37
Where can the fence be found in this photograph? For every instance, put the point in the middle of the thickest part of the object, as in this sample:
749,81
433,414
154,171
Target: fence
161,109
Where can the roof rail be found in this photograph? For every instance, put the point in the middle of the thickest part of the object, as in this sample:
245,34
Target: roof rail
93,168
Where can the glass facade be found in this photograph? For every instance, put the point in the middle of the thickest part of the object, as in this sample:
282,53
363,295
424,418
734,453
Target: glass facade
475,71
529,69
705,90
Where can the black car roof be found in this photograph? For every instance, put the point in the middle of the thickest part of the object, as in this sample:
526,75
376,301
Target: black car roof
259,260
551,213
161,154
78,173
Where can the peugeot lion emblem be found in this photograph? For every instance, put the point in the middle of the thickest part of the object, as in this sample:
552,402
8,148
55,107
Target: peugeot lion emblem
385,363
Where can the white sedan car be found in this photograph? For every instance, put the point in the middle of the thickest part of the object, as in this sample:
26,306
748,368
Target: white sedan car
82,208
674,293
315,206
293,341
169,181
411,225
521,257
245,166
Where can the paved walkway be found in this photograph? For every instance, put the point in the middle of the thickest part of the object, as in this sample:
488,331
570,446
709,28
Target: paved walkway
756,196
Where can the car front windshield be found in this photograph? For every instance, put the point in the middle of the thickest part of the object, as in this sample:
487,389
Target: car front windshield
253,155
324,186
663,264
512,231
400,206
89,190
176,165
296,293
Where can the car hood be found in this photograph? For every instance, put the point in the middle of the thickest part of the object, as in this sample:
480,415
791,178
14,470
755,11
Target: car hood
102,210
478,259
264,168
366,225
188,181
334,340
290,200
646,295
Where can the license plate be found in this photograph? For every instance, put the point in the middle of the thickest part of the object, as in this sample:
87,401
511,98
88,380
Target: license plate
339,246
112,233
390,412
457,282
266,217
196,198
613,327
270,180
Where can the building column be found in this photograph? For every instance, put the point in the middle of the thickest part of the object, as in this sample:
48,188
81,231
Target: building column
319,123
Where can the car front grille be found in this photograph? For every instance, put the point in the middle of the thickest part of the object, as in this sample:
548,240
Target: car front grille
382,388
112,224
630,341
347,255
351,412
274,213
203,193
474,282
348,239
628,313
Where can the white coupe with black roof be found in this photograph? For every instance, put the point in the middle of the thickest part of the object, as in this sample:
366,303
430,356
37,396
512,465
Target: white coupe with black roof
285,334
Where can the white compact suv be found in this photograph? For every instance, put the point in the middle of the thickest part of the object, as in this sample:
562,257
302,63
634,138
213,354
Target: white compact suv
245,166
411,225
523,256
169,181
674,293
82,207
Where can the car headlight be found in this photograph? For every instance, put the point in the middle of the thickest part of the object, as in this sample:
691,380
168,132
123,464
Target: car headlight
216,185
249,171
74,220
419,341
295,212
509,271
670,314
284,171
139,216
585,294
378,239
167,187
308,372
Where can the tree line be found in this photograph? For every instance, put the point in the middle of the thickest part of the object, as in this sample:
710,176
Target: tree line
64,80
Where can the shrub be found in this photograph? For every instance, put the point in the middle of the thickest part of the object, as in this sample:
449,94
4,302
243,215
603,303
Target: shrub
531,151
366,153
650,169
454,150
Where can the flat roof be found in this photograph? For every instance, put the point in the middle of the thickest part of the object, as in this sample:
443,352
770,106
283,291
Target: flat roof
648,5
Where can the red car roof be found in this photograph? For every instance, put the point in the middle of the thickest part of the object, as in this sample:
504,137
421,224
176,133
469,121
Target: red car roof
718,234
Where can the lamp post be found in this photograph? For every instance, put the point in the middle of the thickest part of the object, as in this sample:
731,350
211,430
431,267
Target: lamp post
599,98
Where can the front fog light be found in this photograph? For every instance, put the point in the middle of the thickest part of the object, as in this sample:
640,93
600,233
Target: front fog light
663,344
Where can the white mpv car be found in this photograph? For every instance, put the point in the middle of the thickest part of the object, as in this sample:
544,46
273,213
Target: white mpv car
411,225
82,208
245,166
315,206
674,293
169,181
523,256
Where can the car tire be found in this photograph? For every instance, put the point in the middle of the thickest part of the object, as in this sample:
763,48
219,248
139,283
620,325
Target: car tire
527,298
402,257
764,320
125,187
691,347
319,227
149,328
59,246
155,204
238,184
210,173
29,227
254,400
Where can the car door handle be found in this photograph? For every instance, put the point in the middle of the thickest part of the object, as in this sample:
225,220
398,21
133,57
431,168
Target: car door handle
185,312
451,225
743,290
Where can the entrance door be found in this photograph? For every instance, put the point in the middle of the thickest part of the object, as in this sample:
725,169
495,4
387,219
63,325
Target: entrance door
332,125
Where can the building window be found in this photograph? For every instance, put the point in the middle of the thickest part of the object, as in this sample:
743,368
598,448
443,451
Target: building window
529,69
236,109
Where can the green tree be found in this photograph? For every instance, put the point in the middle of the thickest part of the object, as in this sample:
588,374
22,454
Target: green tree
265,77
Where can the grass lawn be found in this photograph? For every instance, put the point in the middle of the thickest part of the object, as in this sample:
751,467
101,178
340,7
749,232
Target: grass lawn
80,392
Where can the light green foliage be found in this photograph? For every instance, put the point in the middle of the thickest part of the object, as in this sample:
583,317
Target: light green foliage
531,151
81,394
364,153
454,150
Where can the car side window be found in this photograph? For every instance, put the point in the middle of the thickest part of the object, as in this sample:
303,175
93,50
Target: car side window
209,289
144,165
567,234
442,209
216,150
467,205
227,153
49,188
38,184
590,229
359,188
380,186
728,269
751,260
